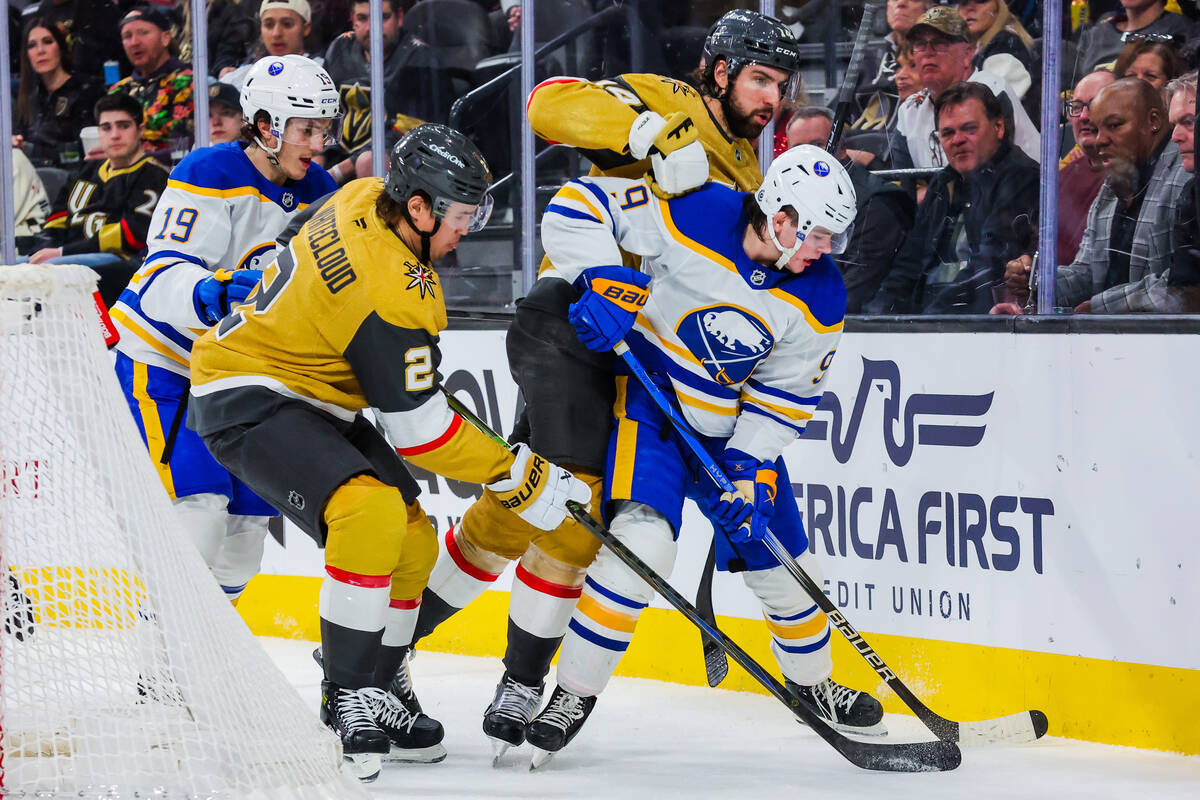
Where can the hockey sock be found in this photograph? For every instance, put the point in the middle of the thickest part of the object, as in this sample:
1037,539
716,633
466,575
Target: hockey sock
527,657
799,629
352,609
397,635
538,614
463,572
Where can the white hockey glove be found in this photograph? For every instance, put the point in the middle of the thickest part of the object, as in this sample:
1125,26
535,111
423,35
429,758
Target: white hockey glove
537,491
673,144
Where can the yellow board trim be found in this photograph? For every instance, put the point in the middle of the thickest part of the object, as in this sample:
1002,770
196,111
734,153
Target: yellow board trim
152,425
609,618
1110,702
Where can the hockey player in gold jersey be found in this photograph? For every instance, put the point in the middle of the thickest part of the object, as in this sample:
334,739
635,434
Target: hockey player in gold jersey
346,318
679,135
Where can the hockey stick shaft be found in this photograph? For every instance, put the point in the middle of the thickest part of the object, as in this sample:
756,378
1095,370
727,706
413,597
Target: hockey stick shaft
850,79
906,757
945,729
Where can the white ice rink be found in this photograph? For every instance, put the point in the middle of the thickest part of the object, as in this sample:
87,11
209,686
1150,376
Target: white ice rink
648,739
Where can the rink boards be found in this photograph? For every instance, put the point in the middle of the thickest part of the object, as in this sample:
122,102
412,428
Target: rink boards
1007,517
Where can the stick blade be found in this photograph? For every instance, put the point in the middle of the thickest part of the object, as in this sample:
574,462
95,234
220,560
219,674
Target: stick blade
716,663
935,756
1021,728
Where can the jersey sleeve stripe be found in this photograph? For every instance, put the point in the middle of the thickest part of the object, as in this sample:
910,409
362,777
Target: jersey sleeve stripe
570,213
130,237
770,391
358,579
569,192
703,405
236,191
751,408
793,414
159,255
595,191
128,324
447,435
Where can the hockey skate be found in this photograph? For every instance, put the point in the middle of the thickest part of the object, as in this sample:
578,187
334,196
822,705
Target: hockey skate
554,728
845,709
348,713
511,710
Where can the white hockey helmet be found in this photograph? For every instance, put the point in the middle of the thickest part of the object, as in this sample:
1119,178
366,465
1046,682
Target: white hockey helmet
812,182
287,87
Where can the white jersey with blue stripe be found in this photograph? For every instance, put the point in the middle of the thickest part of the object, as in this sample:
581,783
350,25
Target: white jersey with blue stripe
745,346
217,212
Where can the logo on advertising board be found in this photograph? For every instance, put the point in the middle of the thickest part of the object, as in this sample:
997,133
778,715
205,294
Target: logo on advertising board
927,418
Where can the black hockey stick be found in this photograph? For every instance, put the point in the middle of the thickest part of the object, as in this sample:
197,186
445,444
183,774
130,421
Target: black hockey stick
716,665
935,756
850,80
1024,726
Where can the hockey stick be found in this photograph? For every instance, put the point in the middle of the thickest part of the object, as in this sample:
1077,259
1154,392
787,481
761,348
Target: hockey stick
935,756
1024,726
716,665
850,79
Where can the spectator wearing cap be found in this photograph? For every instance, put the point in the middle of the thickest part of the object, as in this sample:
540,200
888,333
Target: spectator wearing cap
284,27
884,212
964,232
1080,172
224,113
160,81
1123,259
942,53
1145,20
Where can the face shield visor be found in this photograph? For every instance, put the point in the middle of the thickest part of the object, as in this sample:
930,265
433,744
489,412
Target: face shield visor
460,215
315,133
789,87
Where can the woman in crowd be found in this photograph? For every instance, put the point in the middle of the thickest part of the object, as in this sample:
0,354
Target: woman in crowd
52,104
1157,63
1002,45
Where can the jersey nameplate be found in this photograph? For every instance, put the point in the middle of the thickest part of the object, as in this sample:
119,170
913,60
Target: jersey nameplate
325,242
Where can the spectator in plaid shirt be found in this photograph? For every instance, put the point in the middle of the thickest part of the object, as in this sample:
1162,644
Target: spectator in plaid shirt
1122,261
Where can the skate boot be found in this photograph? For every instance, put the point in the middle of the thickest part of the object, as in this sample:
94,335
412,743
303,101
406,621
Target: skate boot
845,709
511,709
348,713
554,728
414,736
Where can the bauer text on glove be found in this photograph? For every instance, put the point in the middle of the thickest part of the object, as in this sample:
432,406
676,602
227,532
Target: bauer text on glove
611,300
225,288
673,145
537,491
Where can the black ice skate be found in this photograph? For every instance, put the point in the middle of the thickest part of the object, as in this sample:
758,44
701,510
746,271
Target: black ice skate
414,736
511,710
843,708
348,713
554,728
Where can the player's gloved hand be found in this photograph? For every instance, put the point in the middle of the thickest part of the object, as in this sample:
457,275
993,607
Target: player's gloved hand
214,295
611,299
537,491
754,482
676,155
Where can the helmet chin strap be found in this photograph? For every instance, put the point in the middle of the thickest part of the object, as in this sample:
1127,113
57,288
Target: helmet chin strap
272,152
786,252
425,237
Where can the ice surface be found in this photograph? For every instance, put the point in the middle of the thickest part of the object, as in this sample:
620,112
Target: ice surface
648,739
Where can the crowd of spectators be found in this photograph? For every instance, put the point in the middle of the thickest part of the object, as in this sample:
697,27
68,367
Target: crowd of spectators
953,89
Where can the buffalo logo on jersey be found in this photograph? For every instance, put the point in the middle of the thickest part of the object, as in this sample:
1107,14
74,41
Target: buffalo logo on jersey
421,278
729,341
257,257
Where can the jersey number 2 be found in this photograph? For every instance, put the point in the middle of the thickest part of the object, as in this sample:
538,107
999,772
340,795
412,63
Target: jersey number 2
418,370
275,279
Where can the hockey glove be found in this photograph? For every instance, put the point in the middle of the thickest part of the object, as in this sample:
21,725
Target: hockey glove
676,155
537,491
754,482
611,299
214,295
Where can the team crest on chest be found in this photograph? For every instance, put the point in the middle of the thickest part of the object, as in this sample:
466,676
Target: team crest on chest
728,340
421,278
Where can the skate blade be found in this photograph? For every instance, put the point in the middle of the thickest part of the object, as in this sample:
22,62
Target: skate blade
499,748
416,755
876,730
364,766
540,758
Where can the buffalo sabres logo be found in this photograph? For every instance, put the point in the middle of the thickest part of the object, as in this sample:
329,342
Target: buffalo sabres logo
758,277
729,341
275,67
258,256
821,168
421,278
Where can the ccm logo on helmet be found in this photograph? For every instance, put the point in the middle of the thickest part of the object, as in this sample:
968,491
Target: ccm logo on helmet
527,490
446,154
821,168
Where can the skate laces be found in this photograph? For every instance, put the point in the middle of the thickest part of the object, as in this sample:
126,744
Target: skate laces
353,709
564,709
517,701
386,708
835,695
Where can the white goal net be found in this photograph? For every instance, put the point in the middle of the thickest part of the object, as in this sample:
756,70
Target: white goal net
124,671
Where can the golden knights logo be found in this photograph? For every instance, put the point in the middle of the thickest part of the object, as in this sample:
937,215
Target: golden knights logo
356,124
728,340
421,278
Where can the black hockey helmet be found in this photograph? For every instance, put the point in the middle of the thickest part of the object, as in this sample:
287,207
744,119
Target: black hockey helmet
745,37
446,165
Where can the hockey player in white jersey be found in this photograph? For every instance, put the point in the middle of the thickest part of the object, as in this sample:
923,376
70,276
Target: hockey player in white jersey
212,232
736,314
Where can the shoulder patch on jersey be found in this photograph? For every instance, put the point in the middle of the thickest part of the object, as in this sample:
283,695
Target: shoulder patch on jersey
421,278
